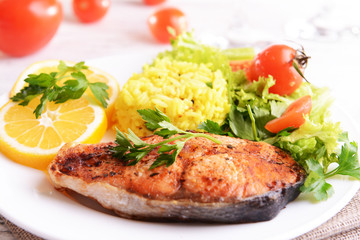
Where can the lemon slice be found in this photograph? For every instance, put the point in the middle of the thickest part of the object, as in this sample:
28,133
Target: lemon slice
92,74
34,142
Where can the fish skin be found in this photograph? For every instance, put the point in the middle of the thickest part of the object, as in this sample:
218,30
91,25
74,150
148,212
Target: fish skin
236,181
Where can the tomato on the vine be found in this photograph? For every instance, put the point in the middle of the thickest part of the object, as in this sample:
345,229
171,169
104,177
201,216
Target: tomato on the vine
90,10
164,21
27,25
278,61
293,117
153,2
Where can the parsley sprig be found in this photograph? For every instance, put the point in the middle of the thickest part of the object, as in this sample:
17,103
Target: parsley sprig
46,86
131,149
348,164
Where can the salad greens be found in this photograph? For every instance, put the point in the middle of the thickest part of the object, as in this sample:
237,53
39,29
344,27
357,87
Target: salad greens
315,144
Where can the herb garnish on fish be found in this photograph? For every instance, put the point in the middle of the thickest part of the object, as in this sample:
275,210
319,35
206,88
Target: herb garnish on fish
131,149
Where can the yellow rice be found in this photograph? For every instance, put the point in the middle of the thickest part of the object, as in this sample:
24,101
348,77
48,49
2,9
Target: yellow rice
176,88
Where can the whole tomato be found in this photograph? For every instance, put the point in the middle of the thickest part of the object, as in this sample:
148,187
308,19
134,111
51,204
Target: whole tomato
88,11
27,25
278,61
168,18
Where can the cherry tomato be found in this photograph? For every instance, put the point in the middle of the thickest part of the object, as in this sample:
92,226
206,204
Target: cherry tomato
277,61
153,2
160,21
293,115
90,10
27,25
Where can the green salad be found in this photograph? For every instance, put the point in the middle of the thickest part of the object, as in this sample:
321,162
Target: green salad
316,144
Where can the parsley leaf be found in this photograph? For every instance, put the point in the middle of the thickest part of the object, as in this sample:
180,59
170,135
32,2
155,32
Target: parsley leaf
315,181
212,127
130,149
46,86
348,159
153,118
100,93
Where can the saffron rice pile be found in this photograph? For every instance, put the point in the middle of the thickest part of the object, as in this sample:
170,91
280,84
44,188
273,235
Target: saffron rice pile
188,93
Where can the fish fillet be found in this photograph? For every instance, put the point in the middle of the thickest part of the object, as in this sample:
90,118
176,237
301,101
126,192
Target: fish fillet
232,182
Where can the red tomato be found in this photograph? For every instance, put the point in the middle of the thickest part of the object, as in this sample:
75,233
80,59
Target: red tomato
28,25
277,61
160,21
90,10
153,2
293,115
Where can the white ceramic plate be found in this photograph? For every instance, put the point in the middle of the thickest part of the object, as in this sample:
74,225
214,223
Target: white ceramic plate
29,200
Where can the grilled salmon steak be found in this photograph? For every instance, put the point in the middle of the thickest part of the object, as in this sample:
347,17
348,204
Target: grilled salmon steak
235,181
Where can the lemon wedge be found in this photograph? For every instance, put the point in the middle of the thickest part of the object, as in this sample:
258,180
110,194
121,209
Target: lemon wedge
35,142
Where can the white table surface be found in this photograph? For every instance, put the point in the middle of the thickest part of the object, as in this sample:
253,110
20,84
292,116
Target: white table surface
334,63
